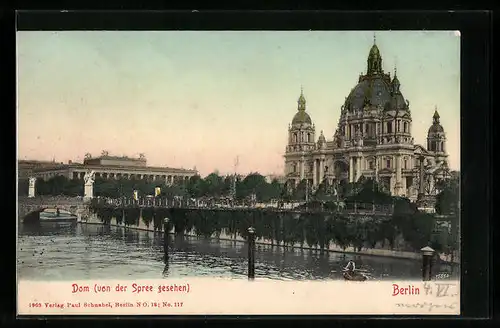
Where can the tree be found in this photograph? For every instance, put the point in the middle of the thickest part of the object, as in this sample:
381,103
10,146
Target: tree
299,192
369,192
275,190
174,190
213,184
23,187
448,203
416,229
57,185
322,193
254,183
74,187
196,186
106,188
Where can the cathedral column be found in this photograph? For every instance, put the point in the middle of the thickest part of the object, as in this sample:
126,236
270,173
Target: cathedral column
302,164
432,185
351,169
321,170
315,170
358,168
421,189
397,186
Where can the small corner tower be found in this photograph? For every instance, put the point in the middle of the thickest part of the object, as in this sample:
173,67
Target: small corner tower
436,138
301,134
301,139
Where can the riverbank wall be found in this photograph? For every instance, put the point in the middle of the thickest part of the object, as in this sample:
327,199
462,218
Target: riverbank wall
92,219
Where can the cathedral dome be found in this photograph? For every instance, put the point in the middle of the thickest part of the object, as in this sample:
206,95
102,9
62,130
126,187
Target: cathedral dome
436,129
301,117
375,88
436,126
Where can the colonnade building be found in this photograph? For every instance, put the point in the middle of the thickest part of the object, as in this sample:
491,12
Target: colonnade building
373,139
114,167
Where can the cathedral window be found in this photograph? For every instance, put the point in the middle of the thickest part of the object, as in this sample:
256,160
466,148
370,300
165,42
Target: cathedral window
389,127
370,165
388,163
405,164
295,137
308,137
405,127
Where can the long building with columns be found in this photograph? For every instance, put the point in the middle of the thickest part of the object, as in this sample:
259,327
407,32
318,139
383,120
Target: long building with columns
373,139
112,167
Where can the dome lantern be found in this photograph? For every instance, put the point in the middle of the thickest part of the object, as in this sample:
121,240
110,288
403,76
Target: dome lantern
436,127
395,81
374,60
302,100
301,117
435,117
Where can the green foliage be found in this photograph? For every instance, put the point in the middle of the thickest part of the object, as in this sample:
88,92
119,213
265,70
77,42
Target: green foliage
212,185
448,203
368,191
23,187
59,185
299,192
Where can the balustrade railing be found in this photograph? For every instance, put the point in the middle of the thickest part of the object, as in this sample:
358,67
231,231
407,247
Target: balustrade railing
355,208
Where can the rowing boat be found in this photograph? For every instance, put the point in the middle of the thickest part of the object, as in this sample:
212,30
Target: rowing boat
354,276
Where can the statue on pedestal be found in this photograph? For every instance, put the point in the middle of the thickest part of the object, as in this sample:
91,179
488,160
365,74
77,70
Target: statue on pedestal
89,178
31,190
89,185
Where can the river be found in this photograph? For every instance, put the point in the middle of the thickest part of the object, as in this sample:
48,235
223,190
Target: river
66,251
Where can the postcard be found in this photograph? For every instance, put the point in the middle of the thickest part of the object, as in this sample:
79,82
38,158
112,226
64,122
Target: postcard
238,172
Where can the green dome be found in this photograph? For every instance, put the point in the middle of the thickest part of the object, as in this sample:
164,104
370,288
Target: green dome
301,117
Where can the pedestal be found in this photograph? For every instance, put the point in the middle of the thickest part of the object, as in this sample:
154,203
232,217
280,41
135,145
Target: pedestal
88,192
31,188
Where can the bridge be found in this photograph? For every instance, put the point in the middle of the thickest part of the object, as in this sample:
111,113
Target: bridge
193,204
27,206
76,205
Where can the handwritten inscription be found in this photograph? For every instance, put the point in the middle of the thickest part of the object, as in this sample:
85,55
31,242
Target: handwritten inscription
441,289
442,275
438,295
429,306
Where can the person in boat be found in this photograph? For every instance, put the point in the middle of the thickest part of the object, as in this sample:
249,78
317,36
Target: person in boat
350,267
57,212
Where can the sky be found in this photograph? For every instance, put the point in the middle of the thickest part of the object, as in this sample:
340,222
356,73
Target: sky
196,99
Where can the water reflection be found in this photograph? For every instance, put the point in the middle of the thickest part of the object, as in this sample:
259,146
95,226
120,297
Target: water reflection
70,251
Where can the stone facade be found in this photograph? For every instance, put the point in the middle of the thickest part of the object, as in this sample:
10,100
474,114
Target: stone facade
373,139
113,167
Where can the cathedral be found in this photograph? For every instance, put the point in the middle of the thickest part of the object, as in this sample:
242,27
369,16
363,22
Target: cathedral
373,139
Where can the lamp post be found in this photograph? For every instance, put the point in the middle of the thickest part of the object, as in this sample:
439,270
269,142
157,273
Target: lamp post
166,231
427,254
251,253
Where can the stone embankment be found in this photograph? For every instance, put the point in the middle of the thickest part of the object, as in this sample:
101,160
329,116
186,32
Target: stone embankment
92,219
